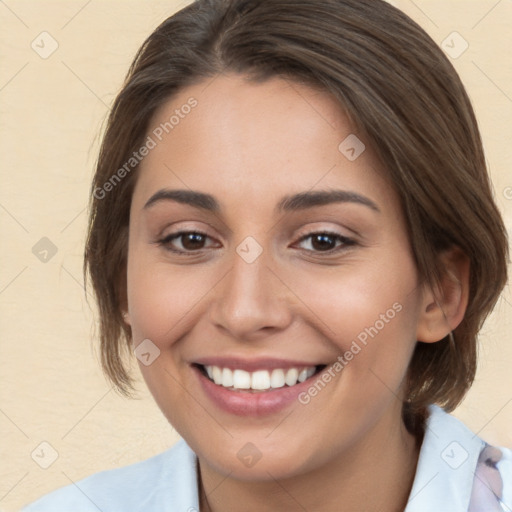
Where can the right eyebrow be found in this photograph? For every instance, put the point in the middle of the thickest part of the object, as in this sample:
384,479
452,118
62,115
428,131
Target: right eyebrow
190,197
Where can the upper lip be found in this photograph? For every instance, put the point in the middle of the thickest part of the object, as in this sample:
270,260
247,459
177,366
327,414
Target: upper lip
251,365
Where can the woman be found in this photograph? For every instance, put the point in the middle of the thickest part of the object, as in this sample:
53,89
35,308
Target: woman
293,228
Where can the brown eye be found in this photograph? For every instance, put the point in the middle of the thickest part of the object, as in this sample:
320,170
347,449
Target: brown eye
327,242
192,241
188,241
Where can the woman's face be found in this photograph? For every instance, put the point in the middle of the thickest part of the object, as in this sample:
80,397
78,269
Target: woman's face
296,261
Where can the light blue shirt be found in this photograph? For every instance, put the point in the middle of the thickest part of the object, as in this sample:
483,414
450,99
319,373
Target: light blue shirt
454,474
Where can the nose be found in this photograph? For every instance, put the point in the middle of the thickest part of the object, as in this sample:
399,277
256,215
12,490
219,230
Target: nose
251,301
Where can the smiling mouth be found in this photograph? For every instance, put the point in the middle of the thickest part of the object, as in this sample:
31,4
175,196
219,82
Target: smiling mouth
260,380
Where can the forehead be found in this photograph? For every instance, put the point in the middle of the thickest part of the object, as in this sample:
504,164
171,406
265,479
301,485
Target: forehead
255,141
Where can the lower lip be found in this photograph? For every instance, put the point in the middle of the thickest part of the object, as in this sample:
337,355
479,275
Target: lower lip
243,403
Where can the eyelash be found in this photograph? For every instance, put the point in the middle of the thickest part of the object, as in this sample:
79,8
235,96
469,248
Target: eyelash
345,242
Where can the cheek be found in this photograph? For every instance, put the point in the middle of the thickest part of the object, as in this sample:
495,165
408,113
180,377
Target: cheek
362,295
161,298
370,312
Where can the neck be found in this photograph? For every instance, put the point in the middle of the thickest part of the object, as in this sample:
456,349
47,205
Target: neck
377,475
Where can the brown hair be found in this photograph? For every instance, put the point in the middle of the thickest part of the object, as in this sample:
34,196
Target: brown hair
404,97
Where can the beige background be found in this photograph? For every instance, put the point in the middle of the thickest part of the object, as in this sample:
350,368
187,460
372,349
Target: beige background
51,113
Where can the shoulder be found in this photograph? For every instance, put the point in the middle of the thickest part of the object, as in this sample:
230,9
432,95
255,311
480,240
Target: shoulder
164,482
459,471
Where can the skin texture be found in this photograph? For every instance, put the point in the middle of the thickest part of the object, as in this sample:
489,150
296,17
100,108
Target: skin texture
249,145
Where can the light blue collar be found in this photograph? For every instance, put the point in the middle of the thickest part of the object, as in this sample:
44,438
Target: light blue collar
446,466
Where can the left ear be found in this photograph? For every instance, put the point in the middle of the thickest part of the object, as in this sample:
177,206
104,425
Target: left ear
443,309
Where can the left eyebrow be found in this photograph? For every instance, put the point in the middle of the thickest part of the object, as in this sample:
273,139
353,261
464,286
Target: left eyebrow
311,199
295,202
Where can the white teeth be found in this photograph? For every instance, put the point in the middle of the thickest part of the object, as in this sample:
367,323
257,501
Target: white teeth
227,377
260,379
291,376
277,379
303,375
241,379
217,375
